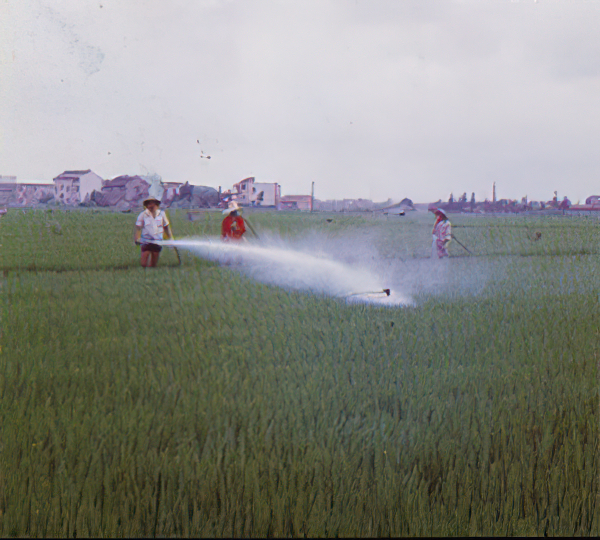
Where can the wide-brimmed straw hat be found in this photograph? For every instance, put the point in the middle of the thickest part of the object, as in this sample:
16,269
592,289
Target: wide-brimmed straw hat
233,207
151,199
440,211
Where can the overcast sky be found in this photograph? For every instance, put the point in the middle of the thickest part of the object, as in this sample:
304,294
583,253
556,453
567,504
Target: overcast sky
367,98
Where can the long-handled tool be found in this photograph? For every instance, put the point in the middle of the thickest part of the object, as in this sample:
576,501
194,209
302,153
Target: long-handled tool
251,228
173,238
387,292
462,245
176,252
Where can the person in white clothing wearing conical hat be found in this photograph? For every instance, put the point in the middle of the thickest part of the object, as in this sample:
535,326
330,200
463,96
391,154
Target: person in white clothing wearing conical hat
151,226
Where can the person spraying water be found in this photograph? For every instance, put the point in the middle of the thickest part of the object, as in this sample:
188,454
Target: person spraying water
442,235
151,227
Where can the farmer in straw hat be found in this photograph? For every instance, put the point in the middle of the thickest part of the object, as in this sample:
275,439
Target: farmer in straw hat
151,226
233,226
442,234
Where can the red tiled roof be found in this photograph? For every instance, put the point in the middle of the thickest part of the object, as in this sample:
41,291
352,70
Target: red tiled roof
71,175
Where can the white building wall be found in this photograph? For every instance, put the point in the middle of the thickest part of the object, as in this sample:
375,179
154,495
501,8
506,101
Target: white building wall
270,197
64,191
88,183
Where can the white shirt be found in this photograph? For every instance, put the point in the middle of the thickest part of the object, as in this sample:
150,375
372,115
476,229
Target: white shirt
152,227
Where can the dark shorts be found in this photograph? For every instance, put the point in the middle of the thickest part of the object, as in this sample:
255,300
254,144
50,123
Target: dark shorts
154,248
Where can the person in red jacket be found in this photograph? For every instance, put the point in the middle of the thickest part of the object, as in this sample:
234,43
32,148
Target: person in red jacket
233,226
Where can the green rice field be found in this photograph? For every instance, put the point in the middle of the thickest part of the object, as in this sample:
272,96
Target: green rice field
192,400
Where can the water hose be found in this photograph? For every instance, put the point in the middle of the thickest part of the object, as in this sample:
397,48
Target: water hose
387,292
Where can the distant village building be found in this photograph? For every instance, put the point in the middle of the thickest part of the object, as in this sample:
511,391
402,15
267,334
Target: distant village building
591,206
192,196
6,193
170,193
128,192
75,187
399,209
33,194
25,194
505,206
266,194
362,205
593,200
123,192
295,202
331,205
248,192
564,204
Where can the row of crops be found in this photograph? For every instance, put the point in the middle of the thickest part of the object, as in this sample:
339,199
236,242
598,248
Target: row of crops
62,240
193,401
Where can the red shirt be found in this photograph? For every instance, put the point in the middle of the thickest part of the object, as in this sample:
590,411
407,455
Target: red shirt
233,227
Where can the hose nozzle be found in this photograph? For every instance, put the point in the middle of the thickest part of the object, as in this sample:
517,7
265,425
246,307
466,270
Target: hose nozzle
386,291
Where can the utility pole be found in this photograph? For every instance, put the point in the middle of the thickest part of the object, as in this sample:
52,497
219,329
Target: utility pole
312,197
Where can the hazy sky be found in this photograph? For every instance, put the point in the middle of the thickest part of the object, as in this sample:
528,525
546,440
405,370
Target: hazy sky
367,98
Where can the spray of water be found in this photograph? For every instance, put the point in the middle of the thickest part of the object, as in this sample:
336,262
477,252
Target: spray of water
297,268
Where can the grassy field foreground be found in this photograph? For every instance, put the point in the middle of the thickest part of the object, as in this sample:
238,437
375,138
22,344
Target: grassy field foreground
193,401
